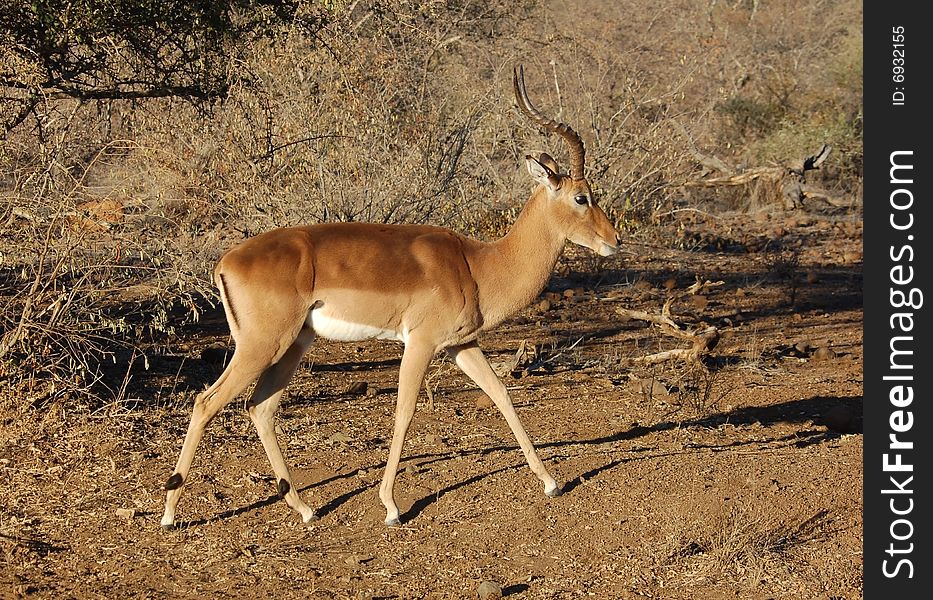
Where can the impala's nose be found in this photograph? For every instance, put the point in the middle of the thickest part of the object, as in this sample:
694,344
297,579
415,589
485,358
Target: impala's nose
607,249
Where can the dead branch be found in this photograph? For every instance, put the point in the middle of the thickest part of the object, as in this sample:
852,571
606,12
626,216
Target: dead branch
811,192
698,286
746,176
710,163
794,187
702,342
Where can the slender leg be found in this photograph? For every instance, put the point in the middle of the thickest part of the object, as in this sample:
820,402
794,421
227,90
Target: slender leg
471,360
240,372
415,363
262,406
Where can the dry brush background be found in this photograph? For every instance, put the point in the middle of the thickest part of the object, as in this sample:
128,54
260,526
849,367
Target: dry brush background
136,148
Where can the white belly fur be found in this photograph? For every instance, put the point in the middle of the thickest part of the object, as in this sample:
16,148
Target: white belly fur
346,331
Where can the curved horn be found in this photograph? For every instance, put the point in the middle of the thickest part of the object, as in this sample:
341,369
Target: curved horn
574,143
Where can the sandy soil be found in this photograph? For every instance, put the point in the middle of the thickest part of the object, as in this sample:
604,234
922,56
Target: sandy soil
739,480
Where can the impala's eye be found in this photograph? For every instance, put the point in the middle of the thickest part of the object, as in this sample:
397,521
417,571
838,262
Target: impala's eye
581,199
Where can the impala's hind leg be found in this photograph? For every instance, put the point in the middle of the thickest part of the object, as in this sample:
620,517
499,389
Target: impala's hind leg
242,370
262,406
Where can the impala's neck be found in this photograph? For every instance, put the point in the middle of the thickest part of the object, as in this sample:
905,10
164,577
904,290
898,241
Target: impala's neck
513,270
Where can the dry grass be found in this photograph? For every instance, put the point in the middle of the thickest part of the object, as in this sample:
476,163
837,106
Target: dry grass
748,544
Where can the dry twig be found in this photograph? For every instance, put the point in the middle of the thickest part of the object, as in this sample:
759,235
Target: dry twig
702,342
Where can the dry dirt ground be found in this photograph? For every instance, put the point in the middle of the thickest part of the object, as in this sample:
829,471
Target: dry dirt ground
742,479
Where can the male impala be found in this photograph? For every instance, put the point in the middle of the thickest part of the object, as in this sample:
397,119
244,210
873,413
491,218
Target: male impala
429,287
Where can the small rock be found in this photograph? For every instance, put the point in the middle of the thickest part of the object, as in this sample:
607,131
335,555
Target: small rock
649,387
355,560
544,305
670,283
489,590
824,353
357,388
641,285
699,302
569,293
338,438
740,293
126,513
484,401
803,346
851,256
812,277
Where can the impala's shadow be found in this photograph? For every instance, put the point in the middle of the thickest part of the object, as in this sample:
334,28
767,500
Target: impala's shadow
798,411
799,439
806,411
273,498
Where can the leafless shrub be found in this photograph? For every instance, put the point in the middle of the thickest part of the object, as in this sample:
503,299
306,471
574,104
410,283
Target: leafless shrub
393,112
701,389
785,267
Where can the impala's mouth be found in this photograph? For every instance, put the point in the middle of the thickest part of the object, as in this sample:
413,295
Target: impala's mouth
597,245
607,249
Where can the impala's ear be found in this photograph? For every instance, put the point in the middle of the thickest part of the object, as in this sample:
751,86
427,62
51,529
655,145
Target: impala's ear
542,173
546,160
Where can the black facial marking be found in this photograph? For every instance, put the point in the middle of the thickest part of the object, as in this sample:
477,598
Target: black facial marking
284,487
174,482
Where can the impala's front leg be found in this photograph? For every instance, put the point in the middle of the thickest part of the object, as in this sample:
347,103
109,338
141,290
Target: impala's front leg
471,361
415,361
